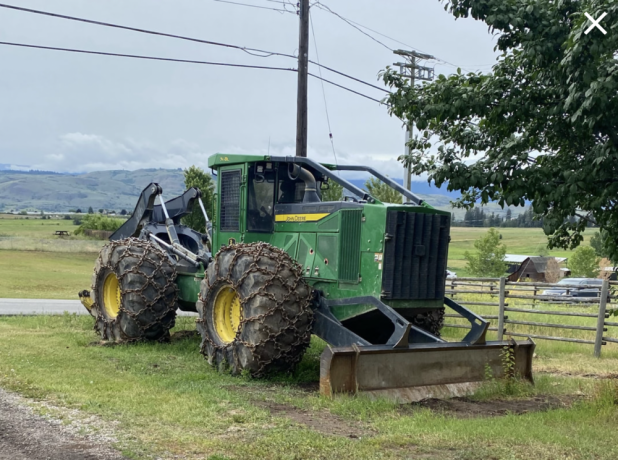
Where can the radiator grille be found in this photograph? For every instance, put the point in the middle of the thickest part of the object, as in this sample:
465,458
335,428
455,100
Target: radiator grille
415,256
349,249
230,201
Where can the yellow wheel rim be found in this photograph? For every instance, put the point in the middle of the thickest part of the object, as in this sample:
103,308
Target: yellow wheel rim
111,296
227,314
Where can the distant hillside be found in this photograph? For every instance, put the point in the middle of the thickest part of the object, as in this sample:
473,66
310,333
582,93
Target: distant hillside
441,198
114,190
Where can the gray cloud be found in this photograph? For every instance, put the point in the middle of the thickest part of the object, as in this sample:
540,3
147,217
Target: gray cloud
68,112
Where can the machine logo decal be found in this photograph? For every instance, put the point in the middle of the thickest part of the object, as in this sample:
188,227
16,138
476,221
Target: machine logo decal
300,217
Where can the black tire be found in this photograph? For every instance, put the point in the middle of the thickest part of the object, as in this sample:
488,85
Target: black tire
273,329
431,321
146,300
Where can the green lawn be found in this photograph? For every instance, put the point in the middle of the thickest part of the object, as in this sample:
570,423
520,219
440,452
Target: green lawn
35,264
44,275
166,401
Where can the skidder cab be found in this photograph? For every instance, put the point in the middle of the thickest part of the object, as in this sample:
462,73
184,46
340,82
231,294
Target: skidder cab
282,263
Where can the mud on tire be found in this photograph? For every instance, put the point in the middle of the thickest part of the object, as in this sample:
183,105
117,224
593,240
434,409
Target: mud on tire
146,292
274,327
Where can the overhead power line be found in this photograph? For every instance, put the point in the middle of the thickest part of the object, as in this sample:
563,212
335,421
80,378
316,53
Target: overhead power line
354,24
186,61
145,31
281,10
152,58
346,88
326,8
248,50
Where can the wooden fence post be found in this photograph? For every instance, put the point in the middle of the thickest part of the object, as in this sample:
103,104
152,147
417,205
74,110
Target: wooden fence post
598,343
501,308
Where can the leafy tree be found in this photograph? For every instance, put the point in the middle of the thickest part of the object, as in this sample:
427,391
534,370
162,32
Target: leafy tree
509,214
598,243
123,212
90,210
196,177
584,262
543,121
79,211
333,193
382,191
101,211
489,257
97,222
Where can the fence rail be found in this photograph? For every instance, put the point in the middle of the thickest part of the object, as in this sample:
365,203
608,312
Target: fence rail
496,292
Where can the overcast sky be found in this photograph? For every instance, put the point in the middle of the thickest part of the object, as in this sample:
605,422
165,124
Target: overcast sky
71,112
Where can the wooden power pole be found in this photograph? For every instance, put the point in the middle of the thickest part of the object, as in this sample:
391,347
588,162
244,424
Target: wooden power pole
414,72
303,69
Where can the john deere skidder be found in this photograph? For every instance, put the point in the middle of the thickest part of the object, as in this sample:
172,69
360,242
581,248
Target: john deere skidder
281,264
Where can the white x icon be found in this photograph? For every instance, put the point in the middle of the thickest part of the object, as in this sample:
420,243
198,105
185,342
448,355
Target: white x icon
595,23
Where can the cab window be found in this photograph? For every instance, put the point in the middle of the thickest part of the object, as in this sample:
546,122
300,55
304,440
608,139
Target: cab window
260,206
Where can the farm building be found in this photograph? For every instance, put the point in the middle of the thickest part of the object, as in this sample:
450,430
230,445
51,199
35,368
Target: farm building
535,268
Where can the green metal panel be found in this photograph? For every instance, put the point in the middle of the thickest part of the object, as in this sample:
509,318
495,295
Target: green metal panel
330,223
349,247
306,252
326,257
224,159
188,288
286,241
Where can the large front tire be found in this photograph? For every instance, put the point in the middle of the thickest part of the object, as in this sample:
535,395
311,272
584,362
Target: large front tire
254,310
134,292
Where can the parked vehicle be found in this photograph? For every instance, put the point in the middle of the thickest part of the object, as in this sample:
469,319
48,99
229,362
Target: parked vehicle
451,275
576,291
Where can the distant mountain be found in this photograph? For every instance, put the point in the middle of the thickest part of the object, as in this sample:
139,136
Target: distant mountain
12,167
116,190
102,189
441,198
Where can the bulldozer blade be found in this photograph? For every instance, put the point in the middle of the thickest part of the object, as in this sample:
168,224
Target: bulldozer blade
421,371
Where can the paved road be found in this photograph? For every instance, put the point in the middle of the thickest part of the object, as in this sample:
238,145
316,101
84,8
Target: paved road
48,307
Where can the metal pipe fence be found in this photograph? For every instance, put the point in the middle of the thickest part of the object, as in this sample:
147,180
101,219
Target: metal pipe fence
527,298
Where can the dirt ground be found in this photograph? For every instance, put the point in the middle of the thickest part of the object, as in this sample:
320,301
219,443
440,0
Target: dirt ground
27,436
468,408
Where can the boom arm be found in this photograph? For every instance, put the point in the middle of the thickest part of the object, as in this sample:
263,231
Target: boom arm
146,211
141,215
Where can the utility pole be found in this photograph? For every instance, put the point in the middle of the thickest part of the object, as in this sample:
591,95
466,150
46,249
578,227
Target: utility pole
414,72
303,69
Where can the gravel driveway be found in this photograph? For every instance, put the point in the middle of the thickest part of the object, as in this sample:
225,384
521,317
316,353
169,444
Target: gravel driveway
27,436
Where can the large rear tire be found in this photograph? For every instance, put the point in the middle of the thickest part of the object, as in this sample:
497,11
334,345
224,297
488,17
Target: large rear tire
254,310
134,292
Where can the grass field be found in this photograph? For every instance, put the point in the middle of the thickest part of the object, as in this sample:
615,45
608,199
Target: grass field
164,400
35,264
526,241
35,238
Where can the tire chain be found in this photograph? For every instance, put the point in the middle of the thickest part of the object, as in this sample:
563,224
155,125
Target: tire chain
431,321
294,353
110,329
